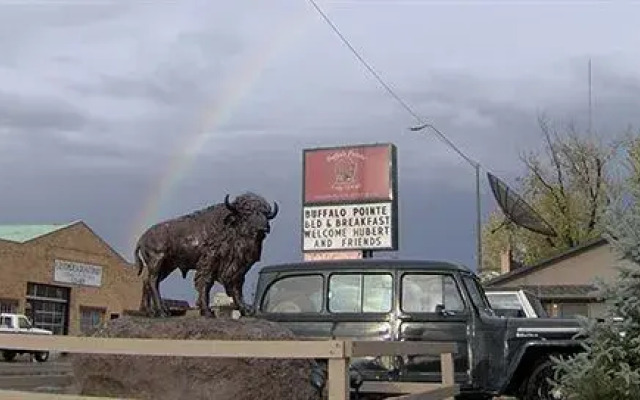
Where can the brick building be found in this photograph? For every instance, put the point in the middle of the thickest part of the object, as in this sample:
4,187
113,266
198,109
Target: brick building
64,277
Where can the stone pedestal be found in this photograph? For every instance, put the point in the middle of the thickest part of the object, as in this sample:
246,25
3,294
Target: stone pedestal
193,378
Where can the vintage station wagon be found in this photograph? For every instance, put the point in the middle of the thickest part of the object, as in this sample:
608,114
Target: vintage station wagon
432,301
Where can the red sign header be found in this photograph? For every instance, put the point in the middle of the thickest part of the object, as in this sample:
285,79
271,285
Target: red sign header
349,174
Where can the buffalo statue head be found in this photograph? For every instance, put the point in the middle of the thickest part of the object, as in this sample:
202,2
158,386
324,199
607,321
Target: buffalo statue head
253,210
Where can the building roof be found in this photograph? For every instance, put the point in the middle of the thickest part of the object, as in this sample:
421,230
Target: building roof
25,233
572,252
367,263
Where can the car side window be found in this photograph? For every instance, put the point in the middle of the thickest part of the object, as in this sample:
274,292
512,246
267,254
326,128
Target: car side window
295,294
360,293
424,293
5,322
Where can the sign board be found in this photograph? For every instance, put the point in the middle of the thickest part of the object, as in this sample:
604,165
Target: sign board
332,255
364,226
77,273
349,174
349,199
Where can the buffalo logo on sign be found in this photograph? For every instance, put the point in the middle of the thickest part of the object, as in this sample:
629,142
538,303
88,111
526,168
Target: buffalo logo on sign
345,165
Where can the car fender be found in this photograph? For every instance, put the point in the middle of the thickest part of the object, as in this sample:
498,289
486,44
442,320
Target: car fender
529,352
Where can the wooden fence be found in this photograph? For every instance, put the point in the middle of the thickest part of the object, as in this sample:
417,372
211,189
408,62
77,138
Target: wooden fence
337,353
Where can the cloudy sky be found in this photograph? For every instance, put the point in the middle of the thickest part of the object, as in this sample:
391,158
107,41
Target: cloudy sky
125,113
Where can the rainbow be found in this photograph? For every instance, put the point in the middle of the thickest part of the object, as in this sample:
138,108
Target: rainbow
235,88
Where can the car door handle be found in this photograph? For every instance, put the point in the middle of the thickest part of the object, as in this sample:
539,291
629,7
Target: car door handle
383,331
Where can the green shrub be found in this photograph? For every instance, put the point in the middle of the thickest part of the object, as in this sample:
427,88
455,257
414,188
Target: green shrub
609,368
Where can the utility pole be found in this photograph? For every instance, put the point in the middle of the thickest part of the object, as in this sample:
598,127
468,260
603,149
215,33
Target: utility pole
476,166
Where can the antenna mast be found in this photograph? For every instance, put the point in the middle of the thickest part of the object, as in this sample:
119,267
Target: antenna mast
590,118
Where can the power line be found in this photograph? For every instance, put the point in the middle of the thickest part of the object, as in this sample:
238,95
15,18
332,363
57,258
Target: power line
423,124
390,91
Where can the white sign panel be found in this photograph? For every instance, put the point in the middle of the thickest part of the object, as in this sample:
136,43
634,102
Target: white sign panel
77,273
348,227
332,255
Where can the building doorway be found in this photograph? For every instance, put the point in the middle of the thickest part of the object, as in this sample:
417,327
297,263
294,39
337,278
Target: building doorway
49,307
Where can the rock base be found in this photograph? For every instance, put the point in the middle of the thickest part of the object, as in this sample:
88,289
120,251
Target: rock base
193,378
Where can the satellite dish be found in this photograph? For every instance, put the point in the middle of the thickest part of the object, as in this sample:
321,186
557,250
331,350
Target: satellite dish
517,210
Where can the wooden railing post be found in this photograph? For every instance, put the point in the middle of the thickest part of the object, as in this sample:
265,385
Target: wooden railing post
446,367
338,379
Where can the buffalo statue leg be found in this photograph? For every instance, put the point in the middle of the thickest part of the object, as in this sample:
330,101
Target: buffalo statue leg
164,273
234,290
203,281
146,303
152,283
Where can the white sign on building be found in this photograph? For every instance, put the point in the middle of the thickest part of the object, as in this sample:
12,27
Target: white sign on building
77,273
366,226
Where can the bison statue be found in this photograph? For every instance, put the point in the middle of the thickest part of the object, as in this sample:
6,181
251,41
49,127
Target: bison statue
220,242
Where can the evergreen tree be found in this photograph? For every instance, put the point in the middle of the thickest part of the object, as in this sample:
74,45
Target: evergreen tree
609,368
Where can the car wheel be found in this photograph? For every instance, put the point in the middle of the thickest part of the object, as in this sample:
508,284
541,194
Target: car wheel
538,386
41,356
9,355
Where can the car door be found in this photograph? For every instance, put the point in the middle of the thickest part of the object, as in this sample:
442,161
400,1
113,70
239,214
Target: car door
360,304
432,309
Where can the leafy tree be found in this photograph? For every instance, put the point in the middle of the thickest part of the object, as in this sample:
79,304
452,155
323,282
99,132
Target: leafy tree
566,184
609,368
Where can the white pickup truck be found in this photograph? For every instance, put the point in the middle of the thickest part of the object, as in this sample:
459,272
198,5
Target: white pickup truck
18,323
515,303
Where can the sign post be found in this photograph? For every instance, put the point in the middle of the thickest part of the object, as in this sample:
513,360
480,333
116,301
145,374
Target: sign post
349,201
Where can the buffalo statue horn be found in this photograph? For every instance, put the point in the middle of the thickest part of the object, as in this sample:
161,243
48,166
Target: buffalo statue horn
274,212
228,205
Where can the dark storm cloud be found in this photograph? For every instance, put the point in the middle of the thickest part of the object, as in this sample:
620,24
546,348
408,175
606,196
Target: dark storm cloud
98,101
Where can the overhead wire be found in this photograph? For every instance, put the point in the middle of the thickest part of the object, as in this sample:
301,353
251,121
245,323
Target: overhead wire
390,91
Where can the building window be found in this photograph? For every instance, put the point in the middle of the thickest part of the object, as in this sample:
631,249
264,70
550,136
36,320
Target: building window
48,307
90,319
567,309
8,306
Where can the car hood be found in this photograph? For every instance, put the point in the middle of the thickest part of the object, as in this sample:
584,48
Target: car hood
548,328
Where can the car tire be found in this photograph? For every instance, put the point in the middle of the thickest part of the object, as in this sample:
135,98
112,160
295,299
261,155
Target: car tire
537,386
9,355
42,356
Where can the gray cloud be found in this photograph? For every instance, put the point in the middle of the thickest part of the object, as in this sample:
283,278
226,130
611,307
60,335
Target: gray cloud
96,102
22,114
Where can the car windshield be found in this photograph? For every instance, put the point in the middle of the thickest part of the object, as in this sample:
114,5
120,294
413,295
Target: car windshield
23,323
536,304
477,294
